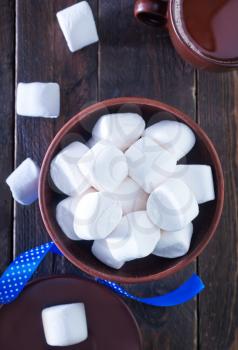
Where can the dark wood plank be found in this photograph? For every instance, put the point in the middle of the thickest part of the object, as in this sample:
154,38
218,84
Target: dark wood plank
218,115
44,56
140,61
7,79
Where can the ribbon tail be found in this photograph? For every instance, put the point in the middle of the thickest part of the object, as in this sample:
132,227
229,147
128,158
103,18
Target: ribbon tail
187,291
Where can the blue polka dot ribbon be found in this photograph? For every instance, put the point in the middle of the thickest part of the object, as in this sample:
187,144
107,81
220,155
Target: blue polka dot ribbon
184,293
14,279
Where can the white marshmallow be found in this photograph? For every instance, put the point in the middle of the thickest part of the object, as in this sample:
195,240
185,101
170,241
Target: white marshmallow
176,137
96,216
23,182
101,250
65,325
135,237
199,179
172,205
64,170
78,25
130,195
38,99
173,244
149,163
121,129
65,211
104,166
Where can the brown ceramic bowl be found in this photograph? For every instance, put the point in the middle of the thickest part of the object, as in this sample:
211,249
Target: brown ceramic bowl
152,267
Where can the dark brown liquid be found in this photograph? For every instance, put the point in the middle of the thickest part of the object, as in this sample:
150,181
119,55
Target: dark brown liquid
213,25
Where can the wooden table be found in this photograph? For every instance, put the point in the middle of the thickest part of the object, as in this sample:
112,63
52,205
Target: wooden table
131,59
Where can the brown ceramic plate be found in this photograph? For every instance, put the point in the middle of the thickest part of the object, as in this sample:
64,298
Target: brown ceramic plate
152,267
110,323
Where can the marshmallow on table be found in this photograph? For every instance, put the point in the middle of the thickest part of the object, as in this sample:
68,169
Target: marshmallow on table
135,237
96,216
38,99
176,137
23,182
65,325
173,244
65,211
121,129
104,166
172,205
199,179
130,195
78,25
149,164
64,170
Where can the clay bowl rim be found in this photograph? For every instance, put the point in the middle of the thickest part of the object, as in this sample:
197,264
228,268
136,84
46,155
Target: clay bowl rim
189,257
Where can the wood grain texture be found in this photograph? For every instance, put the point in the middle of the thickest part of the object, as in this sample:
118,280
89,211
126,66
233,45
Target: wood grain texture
135,60
43,55
132,59
7,74
218,307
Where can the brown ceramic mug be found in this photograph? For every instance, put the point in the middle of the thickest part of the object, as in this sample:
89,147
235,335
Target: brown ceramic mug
203,32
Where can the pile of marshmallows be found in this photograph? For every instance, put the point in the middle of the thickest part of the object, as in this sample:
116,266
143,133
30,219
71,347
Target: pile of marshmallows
127,192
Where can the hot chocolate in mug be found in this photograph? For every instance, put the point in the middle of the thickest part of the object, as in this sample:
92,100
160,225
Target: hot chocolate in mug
204,32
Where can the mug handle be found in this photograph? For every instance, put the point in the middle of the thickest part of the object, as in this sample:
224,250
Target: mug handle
152,12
